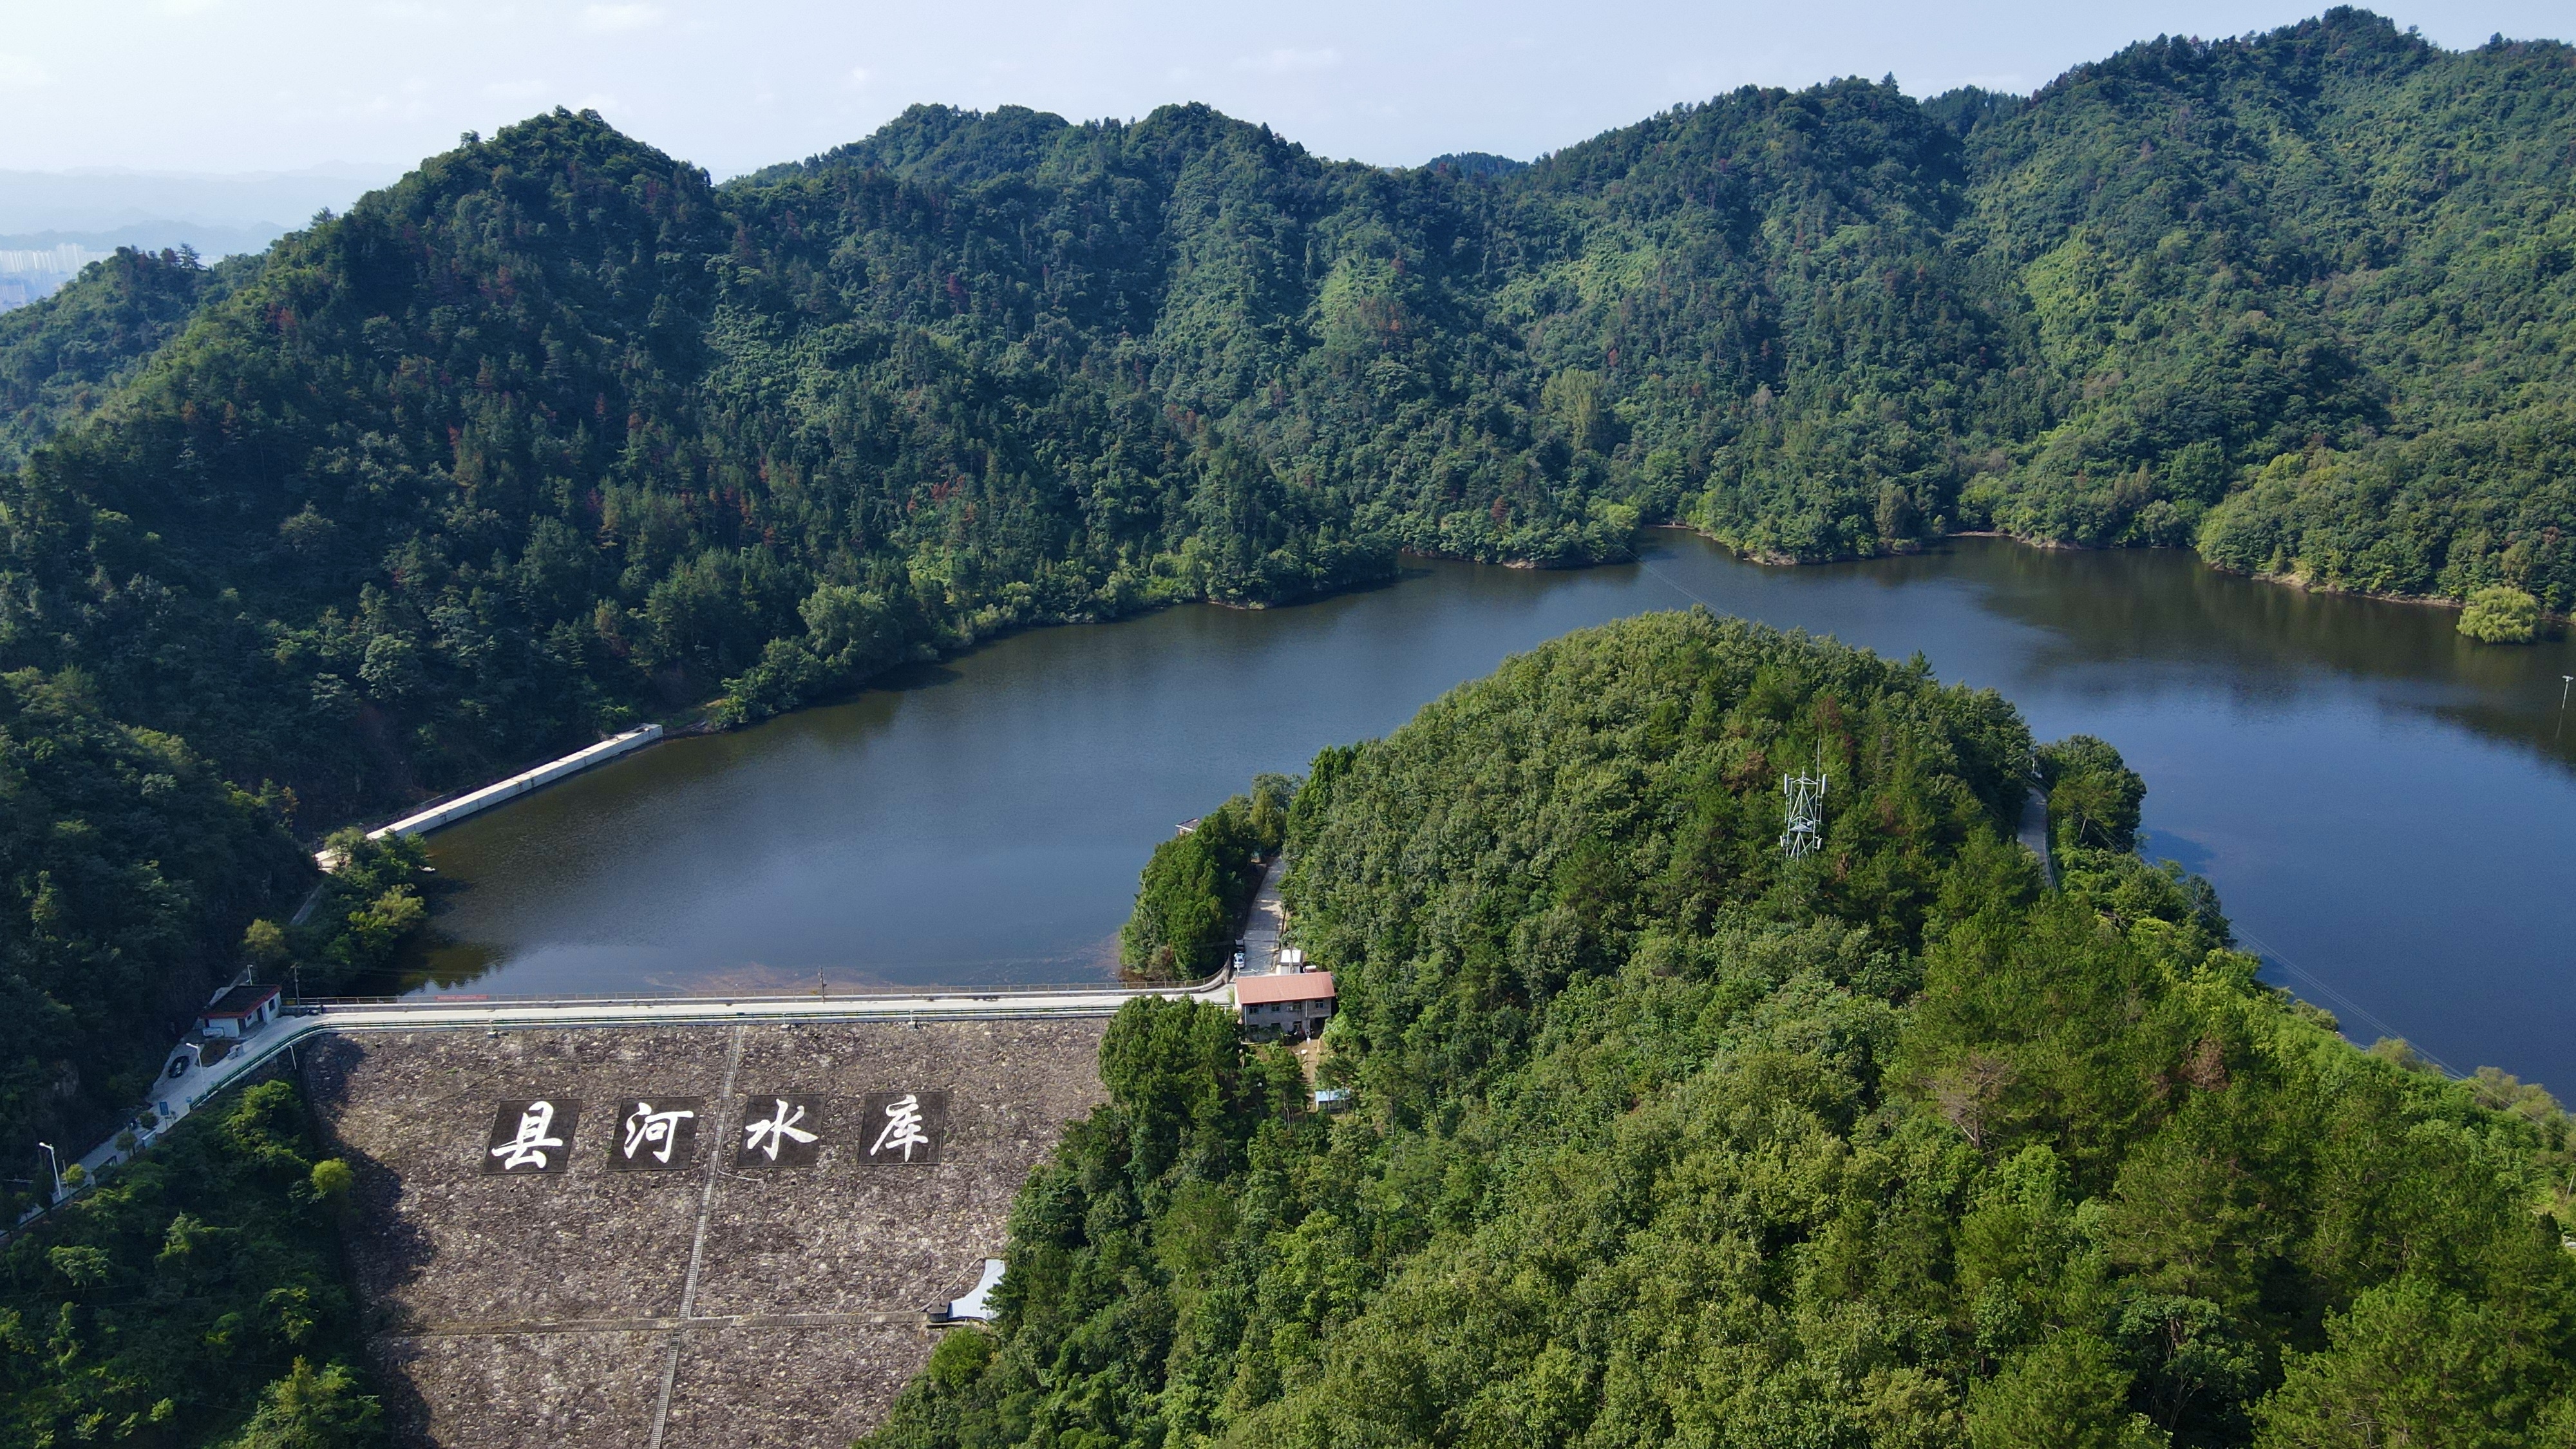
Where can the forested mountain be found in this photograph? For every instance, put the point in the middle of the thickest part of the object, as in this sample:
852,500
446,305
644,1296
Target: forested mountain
1663,1138
61,356
555,435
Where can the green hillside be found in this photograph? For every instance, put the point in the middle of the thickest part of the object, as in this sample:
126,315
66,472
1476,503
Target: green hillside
555,435
62,356
195,1300
1661,1138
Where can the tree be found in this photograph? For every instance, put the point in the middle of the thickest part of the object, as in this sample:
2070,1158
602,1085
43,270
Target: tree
310,1409
2093,795
2412,1364
2501,614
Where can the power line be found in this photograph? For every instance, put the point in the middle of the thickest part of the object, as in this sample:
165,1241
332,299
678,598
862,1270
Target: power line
2317,987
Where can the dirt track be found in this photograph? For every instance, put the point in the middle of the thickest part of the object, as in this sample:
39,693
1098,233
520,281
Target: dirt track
558,1308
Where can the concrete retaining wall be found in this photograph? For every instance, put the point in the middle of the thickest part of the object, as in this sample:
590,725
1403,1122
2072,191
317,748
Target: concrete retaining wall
491,795
520,784
712,1306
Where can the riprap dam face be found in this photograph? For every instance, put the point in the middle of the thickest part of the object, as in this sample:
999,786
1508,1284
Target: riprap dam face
679,1236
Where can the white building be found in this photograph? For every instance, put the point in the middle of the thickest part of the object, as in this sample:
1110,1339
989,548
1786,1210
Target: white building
237,1011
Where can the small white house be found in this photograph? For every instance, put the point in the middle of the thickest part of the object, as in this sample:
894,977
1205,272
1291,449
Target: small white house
237,1011
1291,1003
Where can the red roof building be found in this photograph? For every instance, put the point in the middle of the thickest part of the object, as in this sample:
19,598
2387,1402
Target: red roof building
1292,1003
239,1011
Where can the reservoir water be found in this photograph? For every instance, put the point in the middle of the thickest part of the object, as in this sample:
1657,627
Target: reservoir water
2388,811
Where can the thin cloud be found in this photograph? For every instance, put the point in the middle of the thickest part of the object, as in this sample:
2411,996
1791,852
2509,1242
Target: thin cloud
17,73
611,19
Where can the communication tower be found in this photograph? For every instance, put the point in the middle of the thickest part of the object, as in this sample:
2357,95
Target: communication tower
1806,794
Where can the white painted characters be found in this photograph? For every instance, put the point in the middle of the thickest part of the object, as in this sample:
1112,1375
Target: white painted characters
903,1127
767,1137
535,1135
656,1130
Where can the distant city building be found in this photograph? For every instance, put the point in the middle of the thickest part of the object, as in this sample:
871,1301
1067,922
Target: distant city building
66,259
33,275
1290,1003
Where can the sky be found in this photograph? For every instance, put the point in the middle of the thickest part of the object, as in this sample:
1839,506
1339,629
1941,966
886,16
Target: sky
369,87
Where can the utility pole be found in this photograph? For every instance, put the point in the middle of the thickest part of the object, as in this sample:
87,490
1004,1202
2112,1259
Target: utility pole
58,1169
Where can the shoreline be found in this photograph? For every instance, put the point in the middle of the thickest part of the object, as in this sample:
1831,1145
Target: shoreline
2052,545
695,719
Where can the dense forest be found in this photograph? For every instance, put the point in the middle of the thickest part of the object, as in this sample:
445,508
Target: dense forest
557,434
62,357
1664,1138
194,1301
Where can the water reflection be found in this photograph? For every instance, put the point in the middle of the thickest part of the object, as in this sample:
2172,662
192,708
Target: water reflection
2380,801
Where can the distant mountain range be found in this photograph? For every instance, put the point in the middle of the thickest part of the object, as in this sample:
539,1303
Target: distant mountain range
103,200
93,212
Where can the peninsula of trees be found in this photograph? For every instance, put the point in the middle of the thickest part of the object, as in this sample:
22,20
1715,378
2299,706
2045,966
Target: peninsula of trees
1661,1137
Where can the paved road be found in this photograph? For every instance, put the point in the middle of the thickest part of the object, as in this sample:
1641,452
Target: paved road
2034,833
1261,933
175,1097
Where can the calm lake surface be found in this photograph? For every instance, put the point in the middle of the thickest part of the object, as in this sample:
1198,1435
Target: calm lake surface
2388,811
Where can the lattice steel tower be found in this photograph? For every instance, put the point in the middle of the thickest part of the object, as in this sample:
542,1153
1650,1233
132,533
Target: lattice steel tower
1806,795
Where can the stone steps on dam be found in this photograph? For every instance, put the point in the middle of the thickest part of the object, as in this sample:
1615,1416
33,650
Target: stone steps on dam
719,1298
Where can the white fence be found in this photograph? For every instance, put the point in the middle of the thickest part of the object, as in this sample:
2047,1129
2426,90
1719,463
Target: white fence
512,788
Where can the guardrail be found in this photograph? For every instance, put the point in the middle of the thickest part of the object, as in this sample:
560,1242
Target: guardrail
473,801
311,1017
854,993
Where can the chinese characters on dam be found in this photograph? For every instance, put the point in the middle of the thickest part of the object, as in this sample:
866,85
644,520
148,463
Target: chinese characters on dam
530,1136
781,1132
655,1136
908,1125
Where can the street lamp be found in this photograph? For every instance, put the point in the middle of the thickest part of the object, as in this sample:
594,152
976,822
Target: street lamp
58,1169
